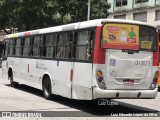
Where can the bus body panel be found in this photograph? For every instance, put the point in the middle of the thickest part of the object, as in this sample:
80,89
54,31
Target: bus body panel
81,83
124,94
120,93
129,71
34,69
61,77
5,69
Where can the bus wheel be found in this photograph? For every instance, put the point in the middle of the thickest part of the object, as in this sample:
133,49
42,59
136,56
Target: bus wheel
47,88
12,83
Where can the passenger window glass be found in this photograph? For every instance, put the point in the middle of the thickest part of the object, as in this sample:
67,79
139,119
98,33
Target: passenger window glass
84,45
36,46
49,46
64,47
5,53
11,47
26,48
18,47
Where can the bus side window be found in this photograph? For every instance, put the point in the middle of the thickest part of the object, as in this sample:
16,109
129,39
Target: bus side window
68,46
36,46
22,45
64,45
90,44
5,53
31,46
26,48
17,47
55,36
74,44
50,45
6,49
61,46
43,54
84,45
14,45
11,47
81,45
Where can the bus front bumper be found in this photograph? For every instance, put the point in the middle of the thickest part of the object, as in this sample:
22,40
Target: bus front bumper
125,94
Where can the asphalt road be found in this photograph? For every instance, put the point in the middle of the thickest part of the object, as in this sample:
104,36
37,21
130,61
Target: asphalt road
27,99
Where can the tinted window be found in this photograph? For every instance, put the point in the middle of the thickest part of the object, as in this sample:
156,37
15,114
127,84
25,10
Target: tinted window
26,48
18,47
147,38
64,45
36,46
50,45
11,47
84,45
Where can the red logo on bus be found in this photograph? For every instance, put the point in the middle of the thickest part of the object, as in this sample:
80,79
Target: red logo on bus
131,40
113,28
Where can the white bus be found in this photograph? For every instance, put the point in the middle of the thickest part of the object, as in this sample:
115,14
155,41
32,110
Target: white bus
101,58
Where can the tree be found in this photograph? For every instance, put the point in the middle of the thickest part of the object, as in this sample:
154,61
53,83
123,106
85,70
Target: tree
34,14
31,14
26,14
76,10
8,14
99,9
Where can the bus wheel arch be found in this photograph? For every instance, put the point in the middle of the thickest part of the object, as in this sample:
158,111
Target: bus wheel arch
46,86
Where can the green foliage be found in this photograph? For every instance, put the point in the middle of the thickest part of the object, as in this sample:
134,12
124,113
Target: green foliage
99,9
8,13
35,14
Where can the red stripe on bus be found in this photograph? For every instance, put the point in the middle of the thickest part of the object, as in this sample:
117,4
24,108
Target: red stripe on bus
99,53
156,58
156,55
71,74
135,47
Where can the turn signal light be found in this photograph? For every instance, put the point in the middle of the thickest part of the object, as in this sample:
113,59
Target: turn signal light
155,80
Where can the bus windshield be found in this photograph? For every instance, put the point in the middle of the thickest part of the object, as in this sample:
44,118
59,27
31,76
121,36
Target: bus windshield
129,36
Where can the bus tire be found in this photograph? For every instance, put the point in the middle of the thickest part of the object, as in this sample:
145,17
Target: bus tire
47,88
12,83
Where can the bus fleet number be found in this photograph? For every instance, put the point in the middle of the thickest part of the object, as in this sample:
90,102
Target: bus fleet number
142,63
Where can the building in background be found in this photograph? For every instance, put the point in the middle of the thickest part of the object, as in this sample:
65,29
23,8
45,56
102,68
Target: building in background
140,10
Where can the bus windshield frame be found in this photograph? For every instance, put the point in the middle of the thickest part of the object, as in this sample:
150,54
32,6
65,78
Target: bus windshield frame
129,36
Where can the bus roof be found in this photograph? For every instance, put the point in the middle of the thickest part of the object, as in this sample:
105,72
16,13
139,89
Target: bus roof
74,26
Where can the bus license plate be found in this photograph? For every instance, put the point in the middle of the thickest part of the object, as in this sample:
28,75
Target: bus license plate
128,82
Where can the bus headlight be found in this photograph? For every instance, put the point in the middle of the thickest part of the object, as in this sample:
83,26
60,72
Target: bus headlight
100,80
155,80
